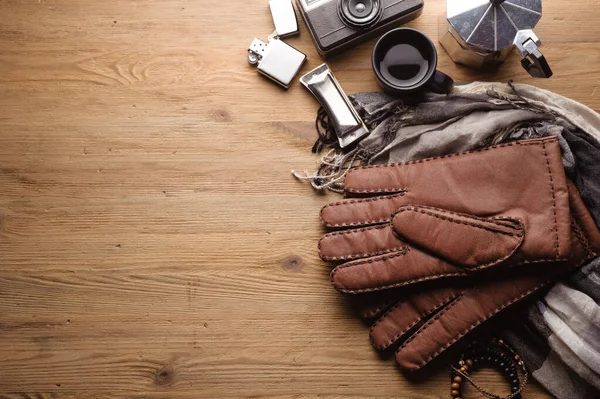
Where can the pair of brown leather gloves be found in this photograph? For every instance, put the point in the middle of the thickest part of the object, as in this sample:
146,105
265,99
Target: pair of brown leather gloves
433,248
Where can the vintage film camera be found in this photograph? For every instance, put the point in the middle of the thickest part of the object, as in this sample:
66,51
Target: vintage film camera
336,25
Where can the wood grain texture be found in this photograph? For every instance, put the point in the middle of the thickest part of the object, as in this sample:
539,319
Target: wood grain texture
152,240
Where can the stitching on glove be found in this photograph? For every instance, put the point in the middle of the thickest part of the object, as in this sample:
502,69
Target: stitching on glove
553,199
358,255
582,238
396,285
422,314
358,201
521,236
421,209
469,329
378,190
404,251
390,253
418,161
541,142
375,311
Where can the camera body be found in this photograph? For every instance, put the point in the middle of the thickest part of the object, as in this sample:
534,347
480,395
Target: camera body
336,25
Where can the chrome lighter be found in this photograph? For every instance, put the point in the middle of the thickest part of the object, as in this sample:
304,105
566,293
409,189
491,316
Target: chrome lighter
284,18
346,122
275,59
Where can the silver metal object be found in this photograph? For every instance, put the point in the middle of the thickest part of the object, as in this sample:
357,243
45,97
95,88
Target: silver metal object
481,33
346,122
277,60
284,17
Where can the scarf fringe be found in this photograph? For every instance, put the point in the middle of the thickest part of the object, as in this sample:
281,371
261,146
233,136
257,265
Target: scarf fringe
335,165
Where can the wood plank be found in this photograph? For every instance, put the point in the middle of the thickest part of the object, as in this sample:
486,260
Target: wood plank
189,333
153,242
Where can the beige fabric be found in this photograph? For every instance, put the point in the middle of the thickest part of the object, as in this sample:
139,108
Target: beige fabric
578,114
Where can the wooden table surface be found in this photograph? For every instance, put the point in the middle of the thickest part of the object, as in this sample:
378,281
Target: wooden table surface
153,242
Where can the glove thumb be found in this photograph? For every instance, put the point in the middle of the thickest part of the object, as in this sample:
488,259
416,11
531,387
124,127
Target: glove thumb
464,240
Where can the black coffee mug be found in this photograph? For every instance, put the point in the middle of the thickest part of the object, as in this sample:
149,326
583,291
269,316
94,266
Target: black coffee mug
405,61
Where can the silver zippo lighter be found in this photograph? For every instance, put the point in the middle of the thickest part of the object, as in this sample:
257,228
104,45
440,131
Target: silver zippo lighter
276,59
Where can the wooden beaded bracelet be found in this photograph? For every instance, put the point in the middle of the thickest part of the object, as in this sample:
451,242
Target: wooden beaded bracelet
494,354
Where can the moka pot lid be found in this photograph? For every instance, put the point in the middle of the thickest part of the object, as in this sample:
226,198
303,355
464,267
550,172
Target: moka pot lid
492,25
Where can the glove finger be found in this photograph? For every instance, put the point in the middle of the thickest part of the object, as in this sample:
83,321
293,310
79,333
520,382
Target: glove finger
396,269
461,316
359,243
461,239
406,314
361,211
372,305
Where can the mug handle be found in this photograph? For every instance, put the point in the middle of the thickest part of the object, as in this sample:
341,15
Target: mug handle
441,83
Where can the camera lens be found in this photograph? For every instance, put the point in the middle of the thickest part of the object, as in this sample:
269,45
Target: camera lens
360,14
359,9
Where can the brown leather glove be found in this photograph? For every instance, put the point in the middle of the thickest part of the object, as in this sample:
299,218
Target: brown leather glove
427,323
505,205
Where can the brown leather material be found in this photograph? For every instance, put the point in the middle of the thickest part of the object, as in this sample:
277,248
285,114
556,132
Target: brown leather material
505,205
372,305
393,270
362,211
459,317
359,243
372,310
461,239
405,315
478,299
455,216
